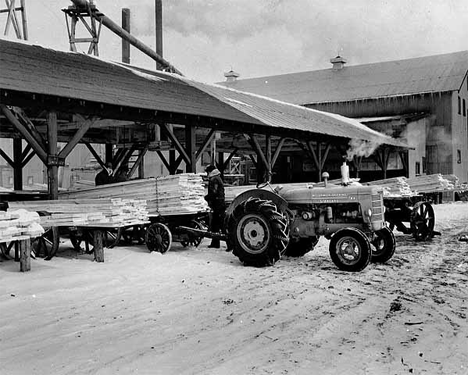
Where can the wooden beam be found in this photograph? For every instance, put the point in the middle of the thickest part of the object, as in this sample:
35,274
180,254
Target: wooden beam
25,133
76,138
277,151
258,150
175,142
164,160
311,150
137,162
7,158
95,154
205,143
231,155
26,151
29,125
28,158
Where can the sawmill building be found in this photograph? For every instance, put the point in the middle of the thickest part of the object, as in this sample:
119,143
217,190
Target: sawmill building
423,100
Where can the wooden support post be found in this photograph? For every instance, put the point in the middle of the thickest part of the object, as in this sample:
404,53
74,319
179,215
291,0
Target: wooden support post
220,162
109,153
98,236
269,167
25,255
404,160
17,161
190,146
172,162
52,167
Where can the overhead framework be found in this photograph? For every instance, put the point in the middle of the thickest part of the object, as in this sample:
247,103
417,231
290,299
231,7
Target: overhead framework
81,10
12,21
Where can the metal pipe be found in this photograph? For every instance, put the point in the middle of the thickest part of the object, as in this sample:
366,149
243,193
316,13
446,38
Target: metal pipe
111,25
125,43
158,30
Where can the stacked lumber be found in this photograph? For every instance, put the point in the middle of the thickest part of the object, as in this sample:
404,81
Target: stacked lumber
169,195
19,225
453,180
396,186
111,212
430,183
180,194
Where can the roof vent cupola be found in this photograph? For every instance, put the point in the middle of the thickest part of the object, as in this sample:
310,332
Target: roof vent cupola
231,76
338,62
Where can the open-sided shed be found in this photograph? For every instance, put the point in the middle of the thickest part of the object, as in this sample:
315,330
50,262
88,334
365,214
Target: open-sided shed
49,96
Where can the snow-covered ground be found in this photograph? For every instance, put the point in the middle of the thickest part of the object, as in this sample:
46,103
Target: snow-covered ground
199,311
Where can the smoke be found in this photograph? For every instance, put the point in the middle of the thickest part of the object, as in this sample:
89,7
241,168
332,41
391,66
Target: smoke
359,147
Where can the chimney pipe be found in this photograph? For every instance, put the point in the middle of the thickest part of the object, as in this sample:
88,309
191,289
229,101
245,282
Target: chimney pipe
125,43
158,31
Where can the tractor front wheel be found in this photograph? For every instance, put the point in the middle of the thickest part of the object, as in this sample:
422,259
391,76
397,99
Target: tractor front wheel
350,250
258,232
384,245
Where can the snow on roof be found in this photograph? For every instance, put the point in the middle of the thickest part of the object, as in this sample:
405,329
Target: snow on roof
430,74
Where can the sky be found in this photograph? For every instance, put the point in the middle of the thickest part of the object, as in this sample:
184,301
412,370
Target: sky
206,38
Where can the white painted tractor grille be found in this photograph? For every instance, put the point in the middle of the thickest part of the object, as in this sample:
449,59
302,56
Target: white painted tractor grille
377,208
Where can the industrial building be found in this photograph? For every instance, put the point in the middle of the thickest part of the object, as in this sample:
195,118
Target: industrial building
422,100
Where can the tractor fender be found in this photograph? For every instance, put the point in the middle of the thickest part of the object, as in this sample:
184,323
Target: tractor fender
263,194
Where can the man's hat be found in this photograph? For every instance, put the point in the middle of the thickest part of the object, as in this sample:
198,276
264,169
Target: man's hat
210,168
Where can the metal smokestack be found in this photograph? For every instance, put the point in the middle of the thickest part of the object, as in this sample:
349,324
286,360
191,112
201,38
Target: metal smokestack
158,31
125,43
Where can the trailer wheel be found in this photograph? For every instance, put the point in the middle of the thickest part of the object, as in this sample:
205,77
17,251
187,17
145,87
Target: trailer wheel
422,221
301,246
350,250
193,239
158,238
82,236
258,232
47,244
384,245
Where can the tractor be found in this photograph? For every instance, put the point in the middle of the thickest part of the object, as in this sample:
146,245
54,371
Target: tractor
264,224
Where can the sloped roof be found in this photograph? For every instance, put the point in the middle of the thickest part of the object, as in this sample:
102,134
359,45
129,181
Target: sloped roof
430,74
34,69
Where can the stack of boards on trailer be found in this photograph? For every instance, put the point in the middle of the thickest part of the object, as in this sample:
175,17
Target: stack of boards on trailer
166,196
110,212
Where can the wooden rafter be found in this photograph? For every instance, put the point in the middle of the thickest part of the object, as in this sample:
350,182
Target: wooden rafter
175,142
206,142
85,125
25,133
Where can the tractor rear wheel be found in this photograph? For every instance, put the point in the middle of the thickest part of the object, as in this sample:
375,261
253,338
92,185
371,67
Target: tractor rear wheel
350,250
258,232
301,246
384,245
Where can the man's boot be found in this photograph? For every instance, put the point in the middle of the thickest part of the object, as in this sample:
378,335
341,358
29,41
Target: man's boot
214,244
